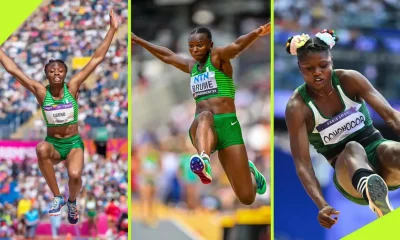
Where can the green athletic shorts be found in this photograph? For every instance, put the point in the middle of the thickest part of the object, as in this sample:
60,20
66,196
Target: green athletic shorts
228,130
92,214
370,149
65,145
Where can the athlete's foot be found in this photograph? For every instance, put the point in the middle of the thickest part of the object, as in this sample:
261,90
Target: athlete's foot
377,193
260,179
73,215
201,167
58,204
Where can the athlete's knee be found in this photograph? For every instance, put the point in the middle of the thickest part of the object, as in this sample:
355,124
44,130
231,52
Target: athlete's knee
246,197
353,148
354,154
205,116
43,150
396,153
74,174
389,157
393,150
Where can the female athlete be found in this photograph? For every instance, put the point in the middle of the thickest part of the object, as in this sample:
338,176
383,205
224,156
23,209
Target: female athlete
215,126
59,106
91,212
329,111
150,167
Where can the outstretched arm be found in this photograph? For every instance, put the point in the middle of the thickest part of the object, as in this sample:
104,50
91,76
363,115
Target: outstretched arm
299,145
13,69
164,54
97,57
366,91
243,42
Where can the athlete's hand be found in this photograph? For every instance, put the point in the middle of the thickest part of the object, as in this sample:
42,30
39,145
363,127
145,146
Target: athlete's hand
324,216
113,20
264,30
133,38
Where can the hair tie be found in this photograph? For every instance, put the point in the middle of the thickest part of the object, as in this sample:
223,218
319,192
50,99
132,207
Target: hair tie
297,42
327,37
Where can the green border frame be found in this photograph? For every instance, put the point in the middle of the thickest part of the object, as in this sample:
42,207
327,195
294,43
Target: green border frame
129,122
12,15
384,228
272,115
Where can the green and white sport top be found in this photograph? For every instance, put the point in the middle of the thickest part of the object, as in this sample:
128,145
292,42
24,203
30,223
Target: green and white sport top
330,135
60,112
210,82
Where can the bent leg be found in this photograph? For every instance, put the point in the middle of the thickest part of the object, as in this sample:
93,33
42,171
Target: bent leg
388,155
359,180
74,165
236,165
349,161
204,138
47,157
203,134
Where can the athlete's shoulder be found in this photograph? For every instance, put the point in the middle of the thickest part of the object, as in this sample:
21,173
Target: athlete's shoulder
295,99
191,63
348,74
296,112
67,85
217,50
217,53
295,105
351,77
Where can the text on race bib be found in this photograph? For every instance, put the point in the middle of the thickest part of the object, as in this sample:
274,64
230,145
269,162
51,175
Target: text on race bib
203,84
59,114
340,126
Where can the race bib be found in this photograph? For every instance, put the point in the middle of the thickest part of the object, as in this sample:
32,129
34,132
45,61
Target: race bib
203,84
340,126
59,114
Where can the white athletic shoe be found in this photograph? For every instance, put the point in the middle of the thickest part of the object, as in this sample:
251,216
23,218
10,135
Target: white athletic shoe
377,193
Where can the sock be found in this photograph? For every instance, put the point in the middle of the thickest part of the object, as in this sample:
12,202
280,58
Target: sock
359,181
254,174
71,201
204,155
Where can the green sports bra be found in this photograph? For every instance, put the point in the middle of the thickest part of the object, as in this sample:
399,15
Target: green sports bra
210,82
61,112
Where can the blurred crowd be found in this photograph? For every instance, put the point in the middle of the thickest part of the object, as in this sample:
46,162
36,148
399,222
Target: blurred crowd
360,25
23,189
67,30
308,14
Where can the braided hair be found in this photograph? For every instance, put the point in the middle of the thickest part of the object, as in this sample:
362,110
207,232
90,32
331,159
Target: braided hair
205,30
56,61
